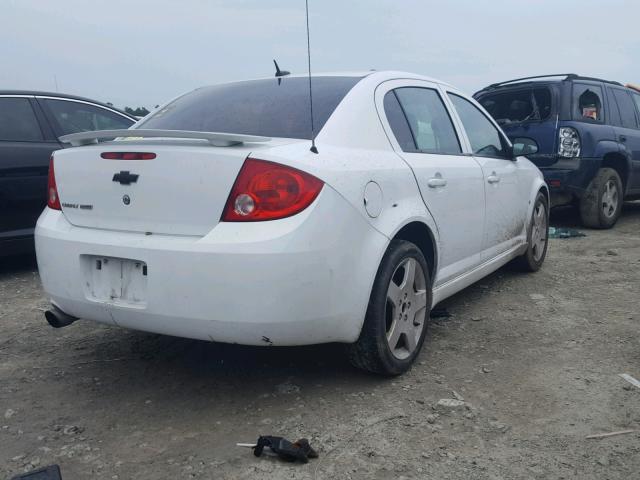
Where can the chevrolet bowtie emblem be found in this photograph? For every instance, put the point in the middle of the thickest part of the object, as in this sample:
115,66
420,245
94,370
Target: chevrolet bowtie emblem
125,177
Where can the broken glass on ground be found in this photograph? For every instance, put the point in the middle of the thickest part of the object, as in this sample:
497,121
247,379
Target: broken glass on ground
562,232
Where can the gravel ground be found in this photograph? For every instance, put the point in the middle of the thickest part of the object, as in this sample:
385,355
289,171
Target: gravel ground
532,360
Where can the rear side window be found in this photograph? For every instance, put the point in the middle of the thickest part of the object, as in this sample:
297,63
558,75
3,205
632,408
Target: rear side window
587,102
518,106
73,117
270,107
398,122
18,122
484,137
626,108
430,127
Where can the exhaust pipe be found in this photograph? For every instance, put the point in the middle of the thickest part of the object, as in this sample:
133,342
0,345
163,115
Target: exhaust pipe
57,318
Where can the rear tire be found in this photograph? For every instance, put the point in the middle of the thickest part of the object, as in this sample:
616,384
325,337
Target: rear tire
537,237
396,321
601,205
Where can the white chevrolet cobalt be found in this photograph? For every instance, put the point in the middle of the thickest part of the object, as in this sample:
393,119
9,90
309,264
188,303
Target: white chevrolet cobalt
213,218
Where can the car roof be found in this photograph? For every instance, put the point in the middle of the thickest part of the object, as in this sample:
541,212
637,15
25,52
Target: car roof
37,93
379,75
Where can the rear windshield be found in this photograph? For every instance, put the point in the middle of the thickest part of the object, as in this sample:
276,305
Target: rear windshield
518,105
271,107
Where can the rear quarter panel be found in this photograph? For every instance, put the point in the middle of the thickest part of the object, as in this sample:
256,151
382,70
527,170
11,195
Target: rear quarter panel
353,151
595,138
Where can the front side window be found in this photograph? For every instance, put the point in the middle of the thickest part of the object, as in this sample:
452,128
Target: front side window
73,117
484,137
587,102
626,108
429,124
18,122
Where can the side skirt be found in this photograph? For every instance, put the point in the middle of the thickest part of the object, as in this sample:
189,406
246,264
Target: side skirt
455,285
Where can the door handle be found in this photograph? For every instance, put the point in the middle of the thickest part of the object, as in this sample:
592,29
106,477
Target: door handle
436,182
493,178
623,138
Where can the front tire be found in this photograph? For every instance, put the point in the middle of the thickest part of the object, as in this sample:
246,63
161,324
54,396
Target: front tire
601,205
537,236
396,321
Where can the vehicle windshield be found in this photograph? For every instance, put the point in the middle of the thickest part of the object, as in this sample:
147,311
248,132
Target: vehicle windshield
518,105
277,107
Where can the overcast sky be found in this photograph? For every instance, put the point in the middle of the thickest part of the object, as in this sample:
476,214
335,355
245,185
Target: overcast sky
144,52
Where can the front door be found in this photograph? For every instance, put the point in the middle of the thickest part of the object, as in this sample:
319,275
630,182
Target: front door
505,214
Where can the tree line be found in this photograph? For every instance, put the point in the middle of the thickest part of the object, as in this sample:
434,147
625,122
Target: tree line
136,112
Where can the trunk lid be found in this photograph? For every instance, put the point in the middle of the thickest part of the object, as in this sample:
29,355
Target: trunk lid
182,191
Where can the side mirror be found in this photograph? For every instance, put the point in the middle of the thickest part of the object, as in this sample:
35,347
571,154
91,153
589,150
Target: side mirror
523,146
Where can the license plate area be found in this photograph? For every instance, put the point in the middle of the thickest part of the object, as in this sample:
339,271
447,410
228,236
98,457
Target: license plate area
119,281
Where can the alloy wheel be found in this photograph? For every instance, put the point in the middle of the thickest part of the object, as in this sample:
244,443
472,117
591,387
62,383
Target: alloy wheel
539,231
610,199
405,308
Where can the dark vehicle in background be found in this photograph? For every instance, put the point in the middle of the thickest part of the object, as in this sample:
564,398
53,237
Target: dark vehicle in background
30,125
587,133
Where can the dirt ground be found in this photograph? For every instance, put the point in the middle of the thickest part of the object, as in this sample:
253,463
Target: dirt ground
534,360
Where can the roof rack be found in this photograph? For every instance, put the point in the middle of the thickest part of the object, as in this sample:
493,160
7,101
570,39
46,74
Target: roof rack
612,82
568,76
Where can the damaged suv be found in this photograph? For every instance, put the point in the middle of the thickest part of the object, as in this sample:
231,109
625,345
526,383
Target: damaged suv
587,133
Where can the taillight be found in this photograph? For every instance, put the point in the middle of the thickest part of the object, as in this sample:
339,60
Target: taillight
568,142
53,200
269,191
128,155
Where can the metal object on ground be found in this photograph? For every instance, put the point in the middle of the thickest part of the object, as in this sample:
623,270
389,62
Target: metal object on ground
630,379
611,434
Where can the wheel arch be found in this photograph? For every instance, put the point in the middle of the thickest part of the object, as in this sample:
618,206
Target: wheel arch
420,234
545,189
620,163
538,186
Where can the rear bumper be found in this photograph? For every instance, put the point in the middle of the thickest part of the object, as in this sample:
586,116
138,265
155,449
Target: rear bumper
301,280
571,176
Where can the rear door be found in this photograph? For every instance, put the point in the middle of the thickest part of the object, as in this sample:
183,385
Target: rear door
26,144
451,183
627,132
506,199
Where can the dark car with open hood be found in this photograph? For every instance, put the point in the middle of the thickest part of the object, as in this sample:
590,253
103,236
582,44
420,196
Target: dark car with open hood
587,134
30,125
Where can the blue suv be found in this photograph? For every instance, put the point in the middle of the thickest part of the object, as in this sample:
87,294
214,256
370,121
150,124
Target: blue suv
587,134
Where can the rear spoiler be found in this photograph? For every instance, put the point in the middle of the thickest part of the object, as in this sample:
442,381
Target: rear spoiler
215,139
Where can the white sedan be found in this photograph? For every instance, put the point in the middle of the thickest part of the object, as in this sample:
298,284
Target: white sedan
213,219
